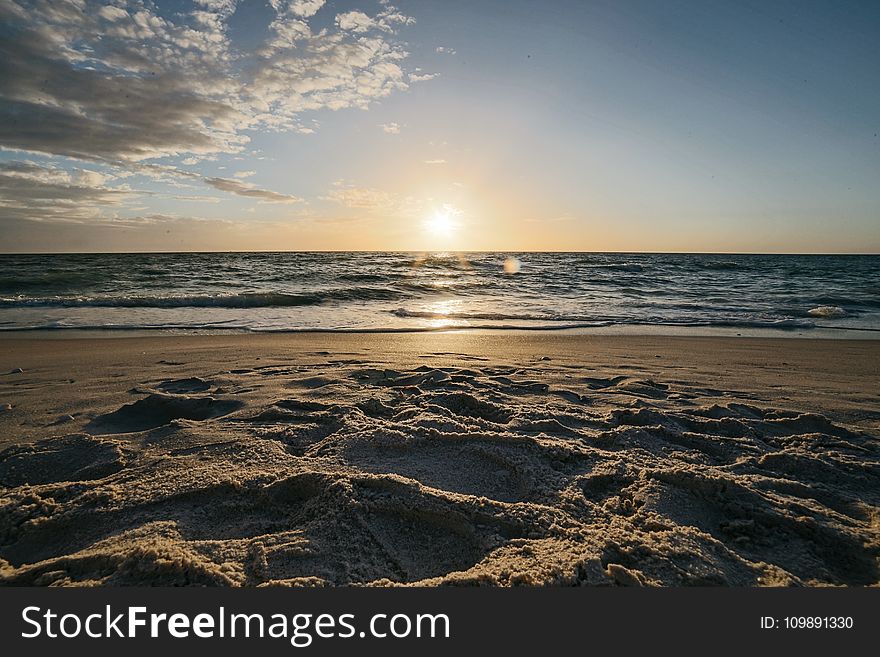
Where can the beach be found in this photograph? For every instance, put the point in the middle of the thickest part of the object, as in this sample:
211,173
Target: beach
438,458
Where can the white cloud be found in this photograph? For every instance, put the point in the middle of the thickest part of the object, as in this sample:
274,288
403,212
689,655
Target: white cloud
361,198
192,198
375,202
435,161
387,20
218,6
244,174
124,85
305,8
443,50
112,13
356,21
248,190
152,86
390,128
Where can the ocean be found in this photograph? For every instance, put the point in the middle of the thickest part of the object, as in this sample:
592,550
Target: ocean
412,292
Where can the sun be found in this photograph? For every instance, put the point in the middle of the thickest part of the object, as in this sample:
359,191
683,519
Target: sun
441,223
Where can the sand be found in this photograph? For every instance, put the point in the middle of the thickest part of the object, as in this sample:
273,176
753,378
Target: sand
438,459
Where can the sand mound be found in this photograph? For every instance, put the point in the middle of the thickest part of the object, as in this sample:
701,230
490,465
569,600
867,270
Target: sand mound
183,386
348,473
156,410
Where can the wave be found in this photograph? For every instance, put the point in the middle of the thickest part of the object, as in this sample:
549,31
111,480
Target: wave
630,267
49,280
422,314
827,311
366,277
866,301
360,290
243,300
584,320
224,327
721,266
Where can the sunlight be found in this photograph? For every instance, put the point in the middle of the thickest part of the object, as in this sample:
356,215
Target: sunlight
442,313
442,222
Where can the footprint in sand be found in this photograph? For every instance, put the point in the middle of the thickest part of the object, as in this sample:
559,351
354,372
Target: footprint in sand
76,457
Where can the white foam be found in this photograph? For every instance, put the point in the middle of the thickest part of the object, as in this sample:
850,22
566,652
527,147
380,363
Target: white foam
827,311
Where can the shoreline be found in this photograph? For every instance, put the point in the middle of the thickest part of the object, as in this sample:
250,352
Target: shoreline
439,458
619,330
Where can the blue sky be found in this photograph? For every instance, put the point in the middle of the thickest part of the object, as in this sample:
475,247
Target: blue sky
310,124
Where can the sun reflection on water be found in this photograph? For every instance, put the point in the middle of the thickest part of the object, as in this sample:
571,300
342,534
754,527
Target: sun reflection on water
438,313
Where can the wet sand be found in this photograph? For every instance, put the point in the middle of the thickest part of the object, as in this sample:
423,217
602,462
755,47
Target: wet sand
439,458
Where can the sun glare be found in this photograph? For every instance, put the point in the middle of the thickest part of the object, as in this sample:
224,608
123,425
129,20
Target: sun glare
441,223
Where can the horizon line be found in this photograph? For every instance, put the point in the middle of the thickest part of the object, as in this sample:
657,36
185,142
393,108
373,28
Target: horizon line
439,251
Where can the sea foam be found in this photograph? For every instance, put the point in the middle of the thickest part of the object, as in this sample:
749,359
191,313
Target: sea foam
827,311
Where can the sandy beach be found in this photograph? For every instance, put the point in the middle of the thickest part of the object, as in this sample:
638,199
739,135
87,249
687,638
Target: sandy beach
438,459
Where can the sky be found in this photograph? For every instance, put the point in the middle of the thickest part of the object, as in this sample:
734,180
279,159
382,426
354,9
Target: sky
618,125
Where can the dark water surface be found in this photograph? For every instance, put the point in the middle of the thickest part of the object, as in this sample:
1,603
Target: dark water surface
406,291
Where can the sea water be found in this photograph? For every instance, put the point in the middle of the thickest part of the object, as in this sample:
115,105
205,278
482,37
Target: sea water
423,291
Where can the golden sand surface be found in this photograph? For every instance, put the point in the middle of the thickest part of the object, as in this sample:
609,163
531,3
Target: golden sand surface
438,458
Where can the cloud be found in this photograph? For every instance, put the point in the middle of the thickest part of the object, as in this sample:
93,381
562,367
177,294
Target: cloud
125,84
359,22
361,198
65,91
435,161
36,192
246,189
356,21
244,174
112,14
422,77
374,201
390,128
197,198
443,50
305,8
220,6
